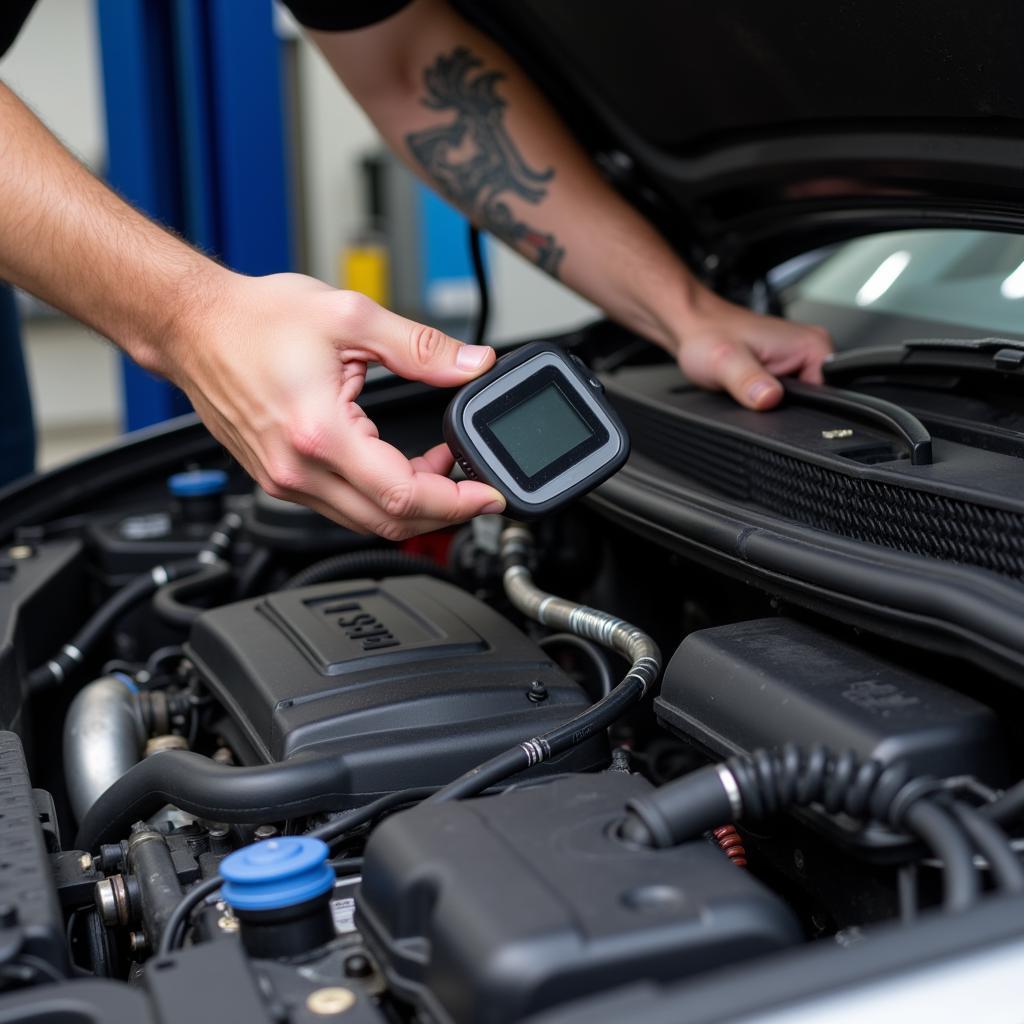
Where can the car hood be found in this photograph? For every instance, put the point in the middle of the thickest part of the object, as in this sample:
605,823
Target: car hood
751,132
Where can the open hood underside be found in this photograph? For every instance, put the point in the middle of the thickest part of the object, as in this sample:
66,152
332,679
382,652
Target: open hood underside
755,132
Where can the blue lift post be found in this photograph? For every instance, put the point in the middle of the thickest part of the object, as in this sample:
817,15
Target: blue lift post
195,127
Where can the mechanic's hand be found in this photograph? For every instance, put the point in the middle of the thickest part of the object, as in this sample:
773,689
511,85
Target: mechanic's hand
274,369
726,347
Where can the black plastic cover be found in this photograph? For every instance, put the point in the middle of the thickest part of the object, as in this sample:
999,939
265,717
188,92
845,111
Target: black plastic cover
411,680
486,910
26,885
772,681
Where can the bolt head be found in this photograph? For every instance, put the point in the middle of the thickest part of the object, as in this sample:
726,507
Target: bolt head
330,1001
19,552
227,923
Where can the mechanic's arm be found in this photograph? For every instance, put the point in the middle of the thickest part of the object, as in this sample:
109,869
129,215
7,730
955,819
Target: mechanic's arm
273,365
466,119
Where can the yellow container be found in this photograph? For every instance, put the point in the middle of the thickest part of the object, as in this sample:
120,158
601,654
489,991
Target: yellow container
364,268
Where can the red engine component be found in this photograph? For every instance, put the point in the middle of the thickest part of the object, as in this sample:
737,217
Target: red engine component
732,844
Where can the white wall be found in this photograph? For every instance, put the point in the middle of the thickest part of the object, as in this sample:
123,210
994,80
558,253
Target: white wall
54,66
336,135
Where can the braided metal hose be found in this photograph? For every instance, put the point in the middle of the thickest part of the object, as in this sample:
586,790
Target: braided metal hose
589,623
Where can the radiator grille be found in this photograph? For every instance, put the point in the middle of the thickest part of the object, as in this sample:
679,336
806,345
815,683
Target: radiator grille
865,510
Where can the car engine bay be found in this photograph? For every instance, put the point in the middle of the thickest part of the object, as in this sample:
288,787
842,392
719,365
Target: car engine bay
734,716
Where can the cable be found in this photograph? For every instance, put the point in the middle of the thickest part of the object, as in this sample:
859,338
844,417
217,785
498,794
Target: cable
591,651
483,289
336,828
174,931
589,623
992,843
178,917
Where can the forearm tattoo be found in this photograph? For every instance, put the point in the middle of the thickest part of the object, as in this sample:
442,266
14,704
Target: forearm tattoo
473,160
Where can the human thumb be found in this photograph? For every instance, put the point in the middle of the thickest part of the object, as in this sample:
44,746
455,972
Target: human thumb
418,352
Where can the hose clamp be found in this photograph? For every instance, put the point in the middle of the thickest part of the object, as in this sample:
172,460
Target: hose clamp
732,790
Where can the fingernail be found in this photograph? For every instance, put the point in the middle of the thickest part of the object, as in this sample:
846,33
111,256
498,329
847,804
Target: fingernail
471,357
760,389
493,508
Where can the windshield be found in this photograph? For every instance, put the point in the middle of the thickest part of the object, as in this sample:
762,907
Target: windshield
914,284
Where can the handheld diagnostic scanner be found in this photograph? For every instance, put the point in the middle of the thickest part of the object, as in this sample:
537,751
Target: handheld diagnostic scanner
538,428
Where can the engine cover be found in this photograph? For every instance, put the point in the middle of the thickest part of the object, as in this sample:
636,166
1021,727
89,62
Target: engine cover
488,911
411,681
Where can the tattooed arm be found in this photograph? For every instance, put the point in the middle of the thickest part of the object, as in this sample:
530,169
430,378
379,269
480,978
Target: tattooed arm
468,121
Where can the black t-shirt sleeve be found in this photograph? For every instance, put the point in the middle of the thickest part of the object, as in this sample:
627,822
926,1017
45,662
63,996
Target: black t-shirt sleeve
343,15
12,16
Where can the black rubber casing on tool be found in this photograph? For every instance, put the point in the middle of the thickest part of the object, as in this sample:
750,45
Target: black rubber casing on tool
517,378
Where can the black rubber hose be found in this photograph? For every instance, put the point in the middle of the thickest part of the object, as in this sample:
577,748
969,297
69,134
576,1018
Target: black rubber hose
593,654
943,836
73,653
215,792
171,602
250,574
374,564
756,786
993,844
1008,808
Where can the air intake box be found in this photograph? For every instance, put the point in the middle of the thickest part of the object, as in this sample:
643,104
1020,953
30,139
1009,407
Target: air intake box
767,682
411,680
486,911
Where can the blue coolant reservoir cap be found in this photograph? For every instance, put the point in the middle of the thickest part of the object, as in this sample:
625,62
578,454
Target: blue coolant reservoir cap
197,483
276,873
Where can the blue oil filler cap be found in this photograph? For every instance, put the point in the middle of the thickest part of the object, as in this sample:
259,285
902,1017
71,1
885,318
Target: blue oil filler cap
197,483
276,873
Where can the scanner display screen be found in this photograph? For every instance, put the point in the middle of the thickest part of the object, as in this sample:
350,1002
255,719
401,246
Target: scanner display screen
540,429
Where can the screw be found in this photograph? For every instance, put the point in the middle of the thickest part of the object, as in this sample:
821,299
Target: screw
227,923
837,433
137,942
328,1001
537,692
358,966
85,862
265,832
21,551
